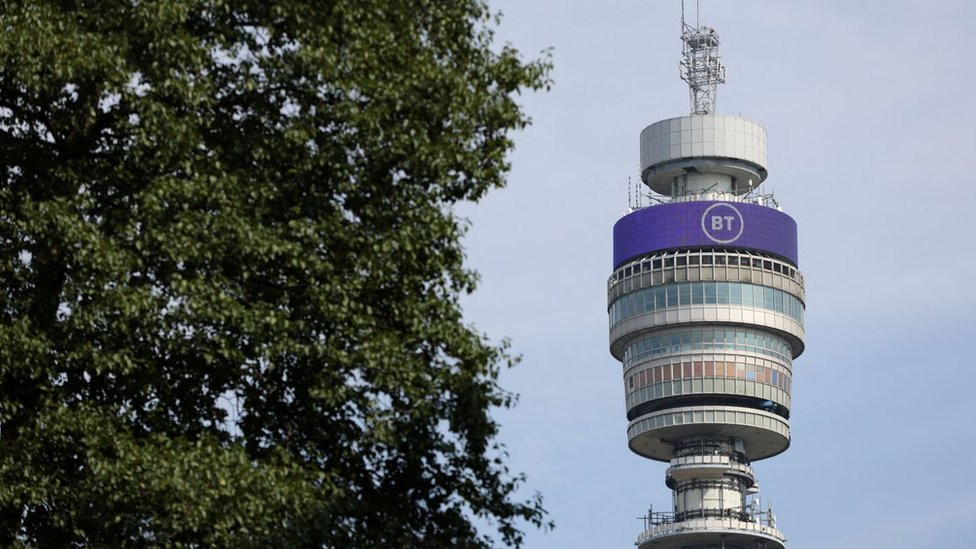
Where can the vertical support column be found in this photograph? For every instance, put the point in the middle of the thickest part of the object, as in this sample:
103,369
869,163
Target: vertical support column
710,479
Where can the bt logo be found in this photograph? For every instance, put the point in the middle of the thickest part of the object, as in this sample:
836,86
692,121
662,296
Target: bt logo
722,223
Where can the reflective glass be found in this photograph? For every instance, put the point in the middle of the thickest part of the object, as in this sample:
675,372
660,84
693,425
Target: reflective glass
723,293
695,293
710,293
686,340
747,294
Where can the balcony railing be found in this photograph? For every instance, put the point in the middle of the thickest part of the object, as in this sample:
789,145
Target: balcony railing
733,524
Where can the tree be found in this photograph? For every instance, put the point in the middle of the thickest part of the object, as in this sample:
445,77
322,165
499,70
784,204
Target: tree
230,273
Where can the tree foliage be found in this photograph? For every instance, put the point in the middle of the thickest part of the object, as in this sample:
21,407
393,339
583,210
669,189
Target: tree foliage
230,273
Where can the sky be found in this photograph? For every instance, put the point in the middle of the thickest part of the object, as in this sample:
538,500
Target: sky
869,108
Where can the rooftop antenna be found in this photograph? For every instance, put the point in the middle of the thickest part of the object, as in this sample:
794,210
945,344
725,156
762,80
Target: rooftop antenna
637,197
630,202
701,66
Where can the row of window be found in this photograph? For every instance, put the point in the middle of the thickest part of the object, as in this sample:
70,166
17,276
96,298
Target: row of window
705,293
707,386
707,258
709,369
690,340
739,417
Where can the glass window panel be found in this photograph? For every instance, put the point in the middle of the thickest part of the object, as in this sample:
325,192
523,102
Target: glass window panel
696,293
693,260
682,261
767,298
656,263
723,293
735,293
669,262
751,295
706,259
684,294
659,299
720,260
672,295
710,292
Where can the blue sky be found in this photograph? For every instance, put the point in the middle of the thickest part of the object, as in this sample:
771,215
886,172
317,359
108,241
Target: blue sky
872,149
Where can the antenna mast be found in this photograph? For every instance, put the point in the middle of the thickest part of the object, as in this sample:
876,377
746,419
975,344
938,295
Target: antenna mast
701,66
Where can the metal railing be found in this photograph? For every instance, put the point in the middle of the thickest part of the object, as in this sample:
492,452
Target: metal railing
760,199
727,523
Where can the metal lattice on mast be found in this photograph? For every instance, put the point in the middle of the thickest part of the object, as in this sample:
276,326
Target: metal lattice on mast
701,66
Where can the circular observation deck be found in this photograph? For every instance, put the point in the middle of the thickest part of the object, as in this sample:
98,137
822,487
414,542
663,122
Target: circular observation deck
708,466
654,435
731,148
728,532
